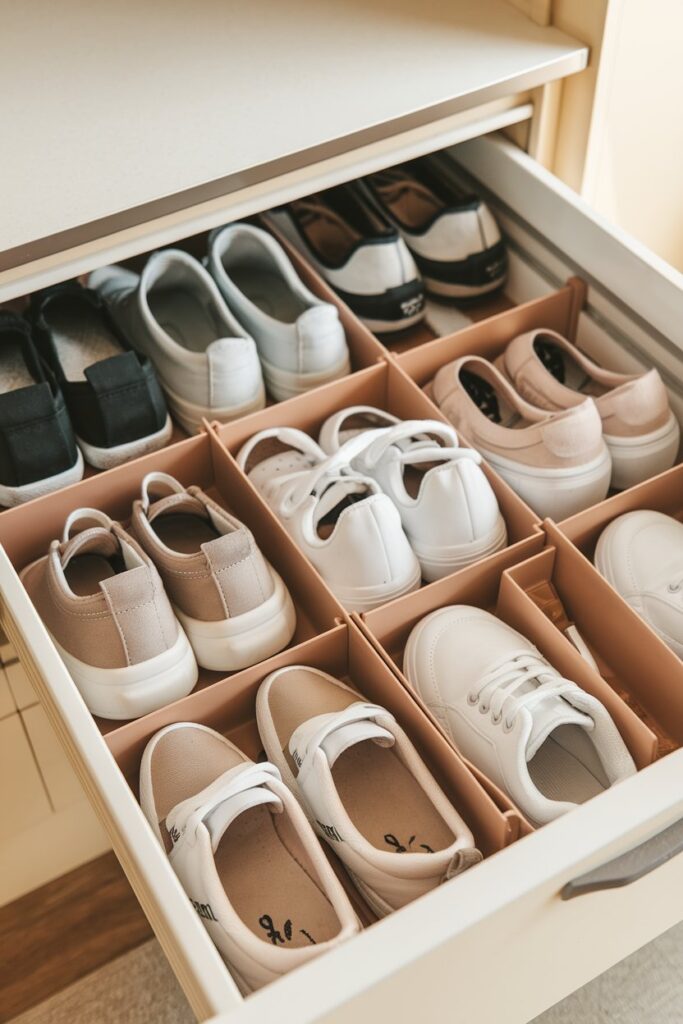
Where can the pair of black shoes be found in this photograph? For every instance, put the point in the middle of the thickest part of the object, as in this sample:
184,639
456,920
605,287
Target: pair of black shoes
71,387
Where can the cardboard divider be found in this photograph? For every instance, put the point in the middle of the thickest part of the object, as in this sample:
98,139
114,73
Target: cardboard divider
558,311
26,532
345,653
591,617
386,387
663,493
630,655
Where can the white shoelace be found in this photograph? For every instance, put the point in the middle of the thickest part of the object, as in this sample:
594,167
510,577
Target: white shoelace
497,691
415,445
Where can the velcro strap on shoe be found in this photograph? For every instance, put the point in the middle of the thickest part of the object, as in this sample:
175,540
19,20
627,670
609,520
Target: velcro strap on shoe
123,397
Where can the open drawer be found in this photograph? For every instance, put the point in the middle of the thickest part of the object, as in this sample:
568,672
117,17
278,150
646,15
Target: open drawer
502,943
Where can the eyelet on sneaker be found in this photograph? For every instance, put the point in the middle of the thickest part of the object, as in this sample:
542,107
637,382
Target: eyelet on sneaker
674,588
472,699
508,726
496,719
483,709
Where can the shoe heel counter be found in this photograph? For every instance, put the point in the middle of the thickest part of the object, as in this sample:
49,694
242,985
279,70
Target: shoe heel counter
235,374
374,545
465,491
142,613
239,571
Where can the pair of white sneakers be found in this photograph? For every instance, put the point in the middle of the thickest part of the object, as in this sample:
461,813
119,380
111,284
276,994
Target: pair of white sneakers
378,503
542,739
247,854
216,332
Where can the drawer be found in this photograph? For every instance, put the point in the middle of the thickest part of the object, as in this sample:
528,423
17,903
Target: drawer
500,943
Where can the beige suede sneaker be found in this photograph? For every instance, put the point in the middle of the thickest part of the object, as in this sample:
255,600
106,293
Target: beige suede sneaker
234,607
105,608
639,428
557,462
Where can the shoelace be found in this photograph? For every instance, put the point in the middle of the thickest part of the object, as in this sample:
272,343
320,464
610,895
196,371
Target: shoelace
422,449
498,693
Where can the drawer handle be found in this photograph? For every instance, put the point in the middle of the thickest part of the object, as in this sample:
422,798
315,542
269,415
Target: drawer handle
631,866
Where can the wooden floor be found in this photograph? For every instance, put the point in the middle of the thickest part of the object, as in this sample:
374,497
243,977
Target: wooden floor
55,935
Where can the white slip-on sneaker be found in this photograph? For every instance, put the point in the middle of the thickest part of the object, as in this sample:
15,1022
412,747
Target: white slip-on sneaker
363,785
641,554
173,312
345,526
232,604
540,737
638,425
244,853
359,253
300,338
447,506
452,236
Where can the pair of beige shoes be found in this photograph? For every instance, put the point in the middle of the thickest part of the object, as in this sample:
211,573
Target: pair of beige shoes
247,854
556,426
134,612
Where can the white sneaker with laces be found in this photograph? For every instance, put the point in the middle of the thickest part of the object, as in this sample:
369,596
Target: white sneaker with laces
300,338
641,554
447,506
244,853
540,737
363,786
345,526
173,312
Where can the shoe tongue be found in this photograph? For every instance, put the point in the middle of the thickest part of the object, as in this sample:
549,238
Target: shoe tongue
177,504
548,715
94,541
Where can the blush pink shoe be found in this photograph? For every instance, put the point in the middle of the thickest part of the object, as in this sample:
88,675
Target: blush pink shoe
557,462
639,428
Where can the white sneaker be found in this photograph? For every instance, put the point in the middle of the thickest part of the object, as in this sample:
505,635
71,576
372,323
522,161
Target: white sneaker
300,338
447,506
363,785
359,253
540,737
244,853
173,312
345,526
641,555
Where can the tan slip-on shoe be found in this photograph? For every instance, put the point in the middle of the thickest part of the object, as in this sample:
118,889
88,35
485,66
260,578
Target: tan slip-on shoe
363,785
557,462
234,607
105,608
244,853
639,427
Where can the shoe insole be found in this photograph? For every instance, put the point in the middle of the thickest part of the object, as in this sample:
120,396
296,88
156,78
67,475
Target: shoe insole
566,370
81,339
490,402
184,533
264,872
566,766
84,573
184,317
379,793
269,292
386,803
330,236
413,205
14,373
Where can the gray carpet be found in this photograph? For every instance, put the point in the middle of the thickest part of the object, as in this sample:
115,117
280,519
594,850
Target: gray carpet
646,988
136,988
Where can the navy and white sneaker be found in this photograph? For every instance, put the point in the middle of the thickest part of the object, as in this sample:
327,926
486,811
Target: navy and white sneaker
359,253
453,236
112,392
38,451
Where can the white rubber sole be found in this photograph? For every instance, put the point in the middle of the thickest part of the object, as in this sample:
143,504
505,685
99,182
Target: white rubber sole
284,384
556,493
635,459
133,691
108,458
462,291
231,644
12,496
364,599
190,415
393,326
437,563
